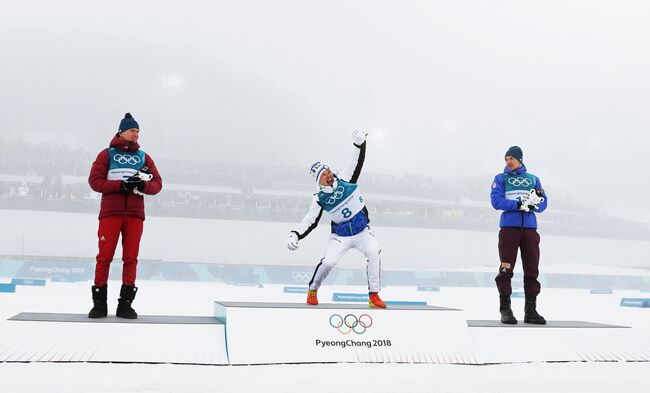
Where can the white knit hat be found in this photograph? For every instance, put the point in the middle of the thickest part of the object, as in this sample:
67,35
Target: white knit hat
317,169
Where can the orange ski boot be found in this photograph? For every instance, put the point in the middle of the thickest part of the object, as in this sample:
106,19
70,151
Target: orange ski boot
375,301
311,297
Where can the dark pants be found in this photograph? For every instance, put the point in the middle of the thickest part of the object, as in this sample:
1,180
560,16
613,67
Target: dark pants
511,239
110,228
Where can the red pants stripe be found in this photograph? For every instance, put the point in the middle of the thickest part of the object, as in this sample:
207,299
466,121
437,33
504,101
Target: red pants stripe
510,241
110,228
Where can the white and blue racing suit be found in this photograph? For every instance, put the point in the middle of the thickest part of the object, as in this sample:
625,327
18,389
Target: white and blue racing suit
349,223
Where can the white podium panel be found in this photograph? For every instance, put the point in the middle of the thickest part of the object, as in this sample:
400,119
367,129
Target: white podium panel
51,337
258,333
558,341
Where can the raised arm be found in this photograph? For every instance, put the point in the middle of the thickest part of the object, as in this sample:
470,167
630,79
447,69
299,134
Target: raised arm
353,170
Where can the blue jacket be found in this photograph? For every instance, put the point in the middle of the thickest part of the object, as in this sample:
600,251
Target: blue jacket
507,189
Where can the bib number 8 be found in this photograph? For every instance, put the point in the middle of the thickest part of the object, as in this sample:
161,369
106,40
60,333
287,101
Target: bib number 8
346,212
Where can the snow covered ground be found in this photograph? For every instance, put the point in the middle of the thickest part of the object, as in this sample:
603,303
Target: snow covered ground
334,378
176,298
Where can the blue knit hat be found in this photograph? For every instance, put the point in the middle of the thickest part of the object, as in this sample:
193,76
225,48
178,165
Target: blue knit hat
515,151
128,122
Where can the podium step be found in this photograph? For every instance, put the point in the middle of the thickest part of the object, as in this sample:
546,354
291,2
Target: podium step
146,319
52,337
260,333
549,324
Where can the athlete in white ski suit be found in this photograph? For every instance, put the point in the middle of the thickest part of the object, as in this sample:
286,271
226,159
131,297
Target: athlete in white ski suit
349,215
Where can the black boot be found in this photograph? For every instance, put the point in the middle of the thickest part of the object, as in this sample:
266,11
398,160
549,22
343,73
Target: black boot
506,312
124,310
531,315
100,308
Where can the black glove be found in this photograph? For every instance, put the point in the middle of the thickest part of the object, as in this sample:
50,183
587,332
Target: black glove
133,179
126,186
129,185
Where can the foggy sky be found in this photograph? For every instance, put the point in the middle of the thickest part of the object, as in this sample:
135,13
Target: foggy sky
443,87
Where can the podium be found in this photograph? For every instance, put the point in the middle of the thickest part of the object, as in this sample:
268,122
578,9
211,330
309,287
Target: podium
263,333
283,333
59,337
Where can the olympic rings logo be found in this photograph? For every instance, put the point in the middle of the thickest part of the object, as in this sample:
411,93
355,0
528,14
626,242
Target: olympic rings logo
350,323
337,195
300,276
126,159
520,181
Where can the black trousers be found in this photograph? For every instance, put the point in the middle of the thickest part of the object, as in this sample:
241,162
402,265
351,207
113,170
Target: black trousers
510,241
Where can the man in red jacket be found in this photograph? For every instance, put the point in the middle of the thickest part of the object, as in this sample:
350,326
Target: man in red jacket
123,174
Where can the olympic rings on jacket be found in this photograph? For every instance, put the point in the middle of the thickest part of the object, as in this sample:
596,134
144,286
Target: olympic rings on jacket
520,181
126,159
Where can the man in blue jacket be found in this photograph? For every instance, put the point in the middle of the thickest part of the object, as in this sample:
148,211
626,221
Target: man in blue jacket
520,195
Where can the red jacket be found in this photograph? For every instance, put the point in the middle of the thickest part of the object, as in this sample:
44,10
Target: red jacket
114,200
